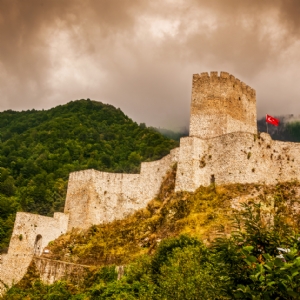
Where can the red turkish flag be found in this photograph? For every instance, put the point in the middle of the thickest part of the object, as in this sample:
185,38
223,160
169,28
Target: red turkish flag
271,120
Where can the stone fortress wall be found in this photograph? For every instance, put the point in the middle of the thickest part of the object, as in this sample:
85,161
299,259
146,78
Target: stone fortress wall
95,197
223,147
238,157
31,234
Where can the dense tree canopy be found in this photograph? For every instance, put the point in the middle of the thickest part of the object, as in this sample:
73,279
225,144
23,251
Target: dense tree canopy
285,131
38,150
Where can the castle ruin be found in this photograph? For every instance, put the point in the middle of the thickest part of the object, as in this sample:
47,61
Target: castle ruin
223,147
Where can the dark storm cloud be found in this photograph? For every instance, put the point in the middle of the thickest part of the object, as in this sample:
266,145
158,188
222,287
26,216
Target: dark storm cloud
140,55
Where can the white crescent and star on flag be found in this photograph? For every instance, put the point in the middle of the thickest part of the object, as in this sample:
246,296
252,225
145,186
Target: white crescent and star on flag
272,120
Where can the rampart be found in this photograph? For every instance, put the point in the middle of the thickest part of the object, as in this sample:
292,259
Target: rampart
31,234
95,197
239,157
223,147
220,105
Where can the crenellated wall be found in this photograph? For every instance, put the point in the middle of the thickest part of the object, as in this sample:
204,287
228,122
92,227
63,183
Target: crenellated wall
220,105
223,147
96,197
31,234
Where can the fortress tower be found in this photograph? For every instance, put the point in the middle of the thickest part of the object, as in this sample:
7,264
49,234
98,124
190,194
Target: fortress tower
220,105
223,147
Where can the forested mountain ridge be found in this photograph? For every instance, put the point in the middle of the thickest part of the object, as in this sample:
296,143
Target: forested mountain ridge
287,130
38,150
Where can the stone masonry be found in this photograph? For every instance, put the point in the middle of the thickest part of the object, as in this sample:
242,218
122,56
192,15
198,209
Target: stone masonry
238,157
223,147
95,197
31,234
220,105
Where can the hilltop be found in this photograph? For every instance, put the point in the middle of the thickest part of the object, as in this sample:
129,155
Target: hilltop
39,149
168,228
207,244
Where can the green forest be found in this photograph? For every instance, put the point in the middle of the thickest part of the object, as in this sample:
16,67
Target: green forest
38,150
181,246
285,131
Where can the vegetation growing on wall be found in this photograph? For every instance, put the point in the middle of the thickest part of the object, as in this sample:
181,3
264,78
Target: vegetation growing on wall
170,214
240,260
38,150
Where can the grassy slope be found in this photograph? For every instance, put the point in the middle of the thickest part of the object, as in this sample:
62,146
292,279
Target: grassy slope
204,214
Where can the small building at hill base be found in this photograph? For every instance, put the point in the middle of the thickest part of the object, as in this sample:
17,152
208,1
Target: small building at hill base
223,147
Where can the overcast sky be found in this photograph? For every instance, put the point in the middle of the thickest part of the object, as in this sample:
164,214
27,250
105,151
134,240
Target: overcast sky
140,55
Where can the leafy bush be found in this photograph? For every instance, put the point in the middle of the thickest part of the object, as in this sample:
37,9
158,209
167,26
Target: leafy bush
245,264
192,273
166,248
275,278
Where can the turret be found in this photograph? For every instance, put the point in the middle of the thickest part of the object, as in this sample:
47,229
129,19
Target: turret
220,105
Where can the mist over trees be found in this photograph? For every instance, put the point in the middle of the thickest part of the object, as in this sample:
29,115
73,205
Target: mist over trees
287,130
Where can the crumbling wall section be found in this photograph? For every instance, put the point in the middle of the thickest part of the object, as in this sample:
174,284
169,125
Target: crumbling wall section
54,270
236,158
30,235
220,105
